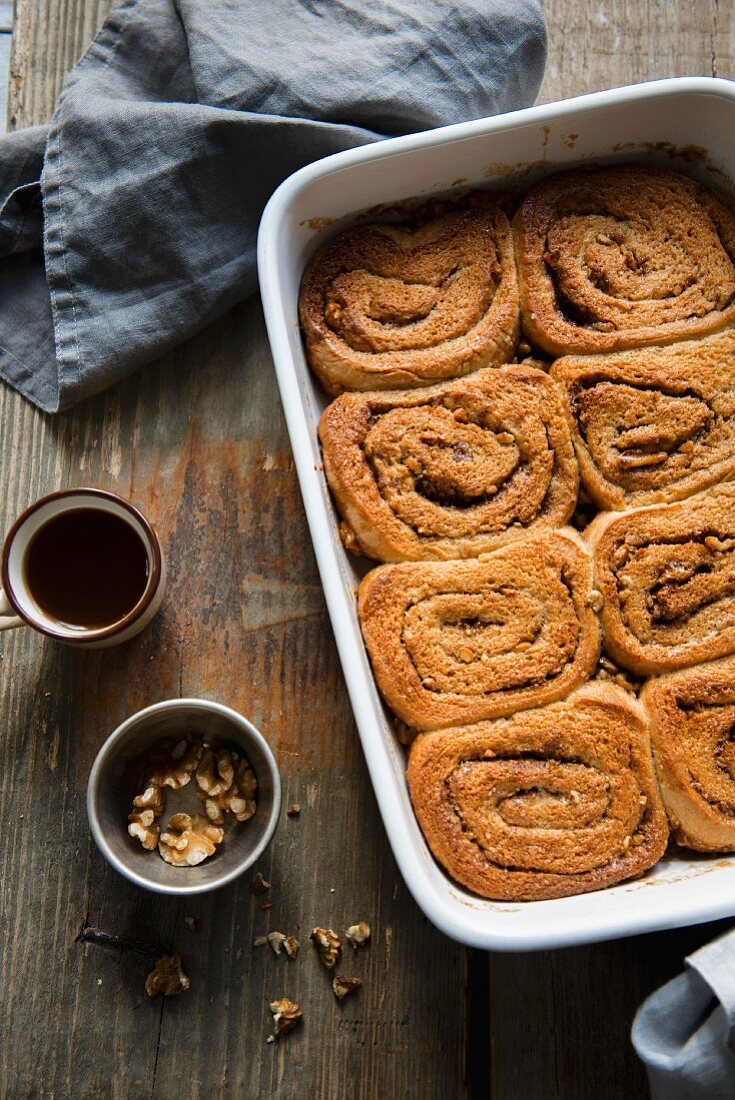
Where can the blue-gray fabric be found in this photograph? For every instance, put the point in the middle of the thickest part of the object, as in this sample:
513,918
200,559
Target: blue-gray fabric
131,222
685,1031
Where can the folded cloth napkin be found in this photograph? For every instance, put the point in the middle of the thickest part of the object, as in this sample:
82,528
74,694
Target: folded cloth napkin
685,1031
132,220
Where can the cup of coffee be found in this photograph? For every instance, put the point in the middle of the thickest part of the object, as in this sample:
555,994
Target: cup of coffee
82,566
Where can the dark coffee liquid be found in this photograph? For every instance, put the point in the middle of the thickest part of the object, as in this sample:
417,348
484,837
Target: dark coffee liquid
86,568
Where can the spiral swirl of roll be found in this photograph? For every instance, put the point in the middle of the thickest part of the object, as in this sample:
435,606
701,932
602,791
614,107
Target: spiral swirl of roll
387,306
451,471
551,802
667,578
623,257
693,736
652,425
455,642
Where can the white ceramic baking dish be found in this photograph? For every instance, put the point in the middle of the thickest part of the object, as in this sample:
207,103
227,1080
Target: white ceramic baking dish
685,123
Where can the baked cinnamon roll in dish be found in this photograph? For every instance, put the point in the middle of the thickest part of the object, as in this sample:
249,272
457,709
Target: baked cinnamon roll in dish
456,642
652,425
693,735
667,578
622,257
386,306
551,802
451,471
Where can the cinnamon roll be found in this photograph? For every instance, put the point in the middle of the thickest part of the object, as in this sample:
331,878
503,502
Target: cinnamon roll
623,257
693,735
455,642
548,803
652,425
451,471
667,578
386,306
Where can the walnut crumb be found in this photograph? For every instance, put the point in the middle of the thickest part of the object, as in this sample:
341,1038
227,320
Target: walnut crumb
344,984
595,600
295,810
260,941
166,977
358,934
259,885
328,944
286,1015
275,939
190,923
291,946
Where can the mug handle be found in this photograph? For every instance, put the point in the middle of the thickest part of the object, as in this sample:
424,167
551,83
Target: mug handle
8,619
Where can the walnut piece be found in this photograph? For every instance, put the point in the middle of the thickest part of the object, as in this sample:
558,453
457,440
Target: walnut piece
142,827
216,771
286,1015
344,984
259,885
166,977
189,840
294,810
275,939
238,798
174,767
328,944
150,799
291,946
190,923
358,934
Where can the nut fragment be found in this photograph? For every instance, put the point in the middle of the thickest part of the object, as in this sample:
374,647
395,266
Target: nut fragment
358,934
328,944
173,766
275,939
166,977
216,771
142,827
190,923
237,798
291,946
286,1015
189,840
344,984
259,884
150,799
294,810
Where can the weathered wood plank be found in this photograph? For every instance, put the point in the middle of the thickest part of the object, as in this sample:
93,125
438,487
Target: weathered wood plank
199,442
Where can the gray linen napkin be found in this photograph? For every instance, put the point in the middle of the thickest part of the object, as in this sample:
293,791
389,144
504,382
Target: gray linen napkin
685,1031
132,221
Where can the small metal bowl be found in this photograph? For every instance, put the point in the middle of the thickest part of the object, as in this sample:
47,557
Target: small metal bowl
110,795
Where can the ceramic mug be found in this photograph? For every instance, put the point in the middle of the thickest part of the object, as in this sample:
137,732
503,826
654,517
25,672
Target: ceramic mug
17,604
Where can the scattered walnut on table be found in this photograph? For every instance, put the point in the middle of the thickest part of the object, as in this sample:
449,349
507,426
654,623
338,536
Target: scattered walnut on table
328,944
276,939
190,923
189,840
291,946
143,828
344,984
286,1015
294,810
166,977
358,934
259,885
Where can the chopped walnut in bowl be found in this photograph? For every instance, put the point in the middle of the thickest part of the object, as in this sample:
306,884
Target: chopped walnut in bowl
184,796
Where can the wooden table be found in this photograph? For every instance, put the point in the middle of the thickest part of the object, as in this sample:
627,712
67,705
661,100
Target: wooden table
198,441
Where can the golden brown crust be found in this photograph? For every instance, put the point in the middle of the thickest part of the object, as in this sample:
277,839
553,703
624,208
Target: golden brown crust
466,641
454,470
693,736
384,306
623,257
653,425
549,803
667,578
